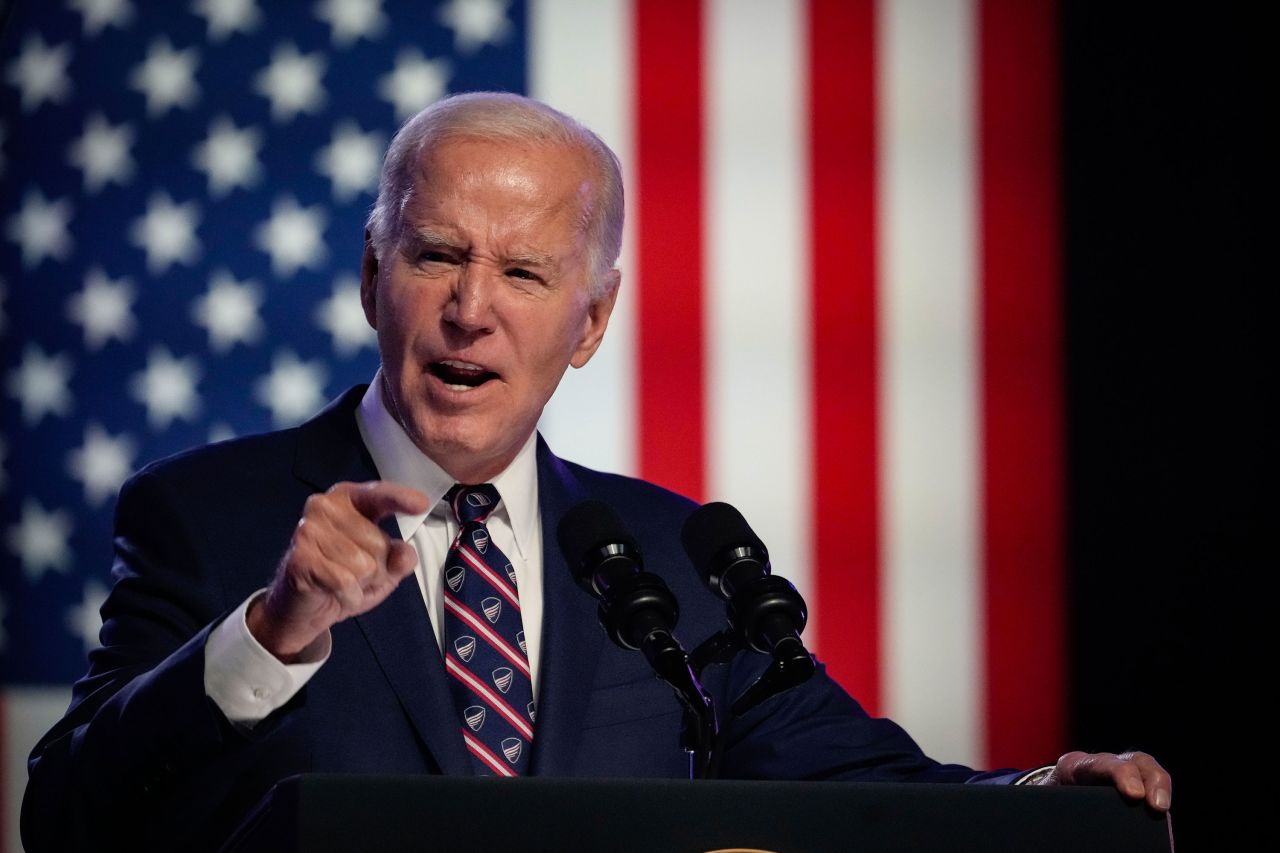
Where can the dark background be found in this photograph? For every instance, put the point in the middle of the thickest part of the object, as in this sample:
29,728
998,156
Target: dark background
1164,162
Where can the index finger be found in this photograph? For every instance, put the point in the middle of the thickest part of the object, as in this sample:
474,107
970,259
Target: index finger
1156,782
377,499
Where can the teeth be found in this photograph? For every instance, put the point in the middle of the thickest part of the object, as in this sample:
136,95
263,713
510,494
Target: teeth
462,365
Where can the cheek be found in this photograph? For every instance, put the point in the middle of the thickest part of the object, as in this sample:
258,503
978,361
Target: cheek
403,311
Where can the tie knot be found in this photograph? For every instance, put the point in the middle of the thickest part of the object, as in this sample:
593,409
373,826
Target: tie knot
472,503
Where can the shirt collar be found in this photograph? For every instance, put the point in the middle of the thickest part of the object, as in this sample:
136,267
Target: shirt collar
399,460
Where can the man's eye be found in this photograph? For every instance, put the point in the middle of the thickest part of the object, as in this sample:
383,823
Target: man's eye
433,257
517,272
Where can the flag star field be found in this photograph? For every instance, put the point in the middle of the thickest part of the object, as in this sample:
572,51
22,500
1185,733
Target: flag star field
184,190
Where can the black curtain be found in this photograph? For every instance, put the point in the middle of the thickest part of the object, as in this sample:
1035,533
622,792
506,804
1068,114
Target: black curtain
1165,158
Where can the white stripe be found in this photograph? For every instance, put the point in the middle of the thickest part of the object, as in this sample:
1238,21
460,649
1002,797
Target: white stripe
478,749
496,641
580,62
495,701
28,713
928,323
757,274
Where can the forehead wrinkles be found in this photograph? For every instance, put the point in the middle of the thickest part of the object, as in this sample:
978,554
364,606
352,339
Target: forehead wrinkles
513,209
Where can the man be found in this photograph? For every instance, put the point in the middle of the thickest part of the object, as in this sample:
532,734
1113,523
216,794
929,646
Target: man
224,667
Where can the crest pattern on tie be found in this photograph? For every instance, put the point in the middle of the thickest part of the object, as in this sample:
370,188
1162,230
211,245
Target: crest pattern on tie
485,651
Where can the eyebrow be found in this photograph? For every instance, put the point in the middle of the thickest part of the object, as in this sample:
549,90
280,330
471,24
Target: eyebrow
417,237
414,237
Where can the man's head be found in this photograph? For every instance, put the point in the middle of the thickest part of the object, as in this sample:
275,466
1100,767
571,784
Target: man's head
500,117
487,271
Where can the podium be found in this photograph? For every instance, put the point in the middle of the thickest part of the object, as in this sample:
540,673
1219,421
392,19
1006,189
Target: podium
390,814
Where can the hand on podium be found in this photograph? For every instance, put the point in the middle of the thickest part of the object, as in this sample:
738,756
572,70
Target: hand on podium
1135,775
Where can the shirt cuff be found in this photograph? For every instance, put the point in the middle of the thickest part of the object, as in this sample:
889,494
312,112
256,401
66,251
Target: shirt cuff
1035,777
245,680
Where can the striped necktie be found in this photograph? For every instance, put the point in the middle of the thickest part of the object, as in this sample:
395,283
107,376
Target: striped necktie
485,652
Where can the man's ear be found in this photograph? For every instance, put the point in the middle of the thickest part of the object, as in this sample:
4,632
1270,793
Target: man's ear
597,320
369,281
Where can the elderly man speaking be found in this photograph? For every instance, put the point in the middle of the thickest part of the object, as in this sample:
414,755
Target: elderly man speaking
378,589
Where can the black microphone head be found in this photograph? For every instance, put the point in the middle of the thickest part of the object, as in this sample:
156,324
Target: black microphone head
712,534
589,534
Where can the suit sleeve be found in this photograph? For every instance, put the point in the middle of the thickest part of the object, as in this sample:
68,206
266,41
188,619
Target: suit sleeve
141,753
817,731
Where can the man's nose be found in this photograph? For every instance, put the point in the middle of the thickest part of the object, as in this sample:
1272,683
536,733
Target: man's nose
471,304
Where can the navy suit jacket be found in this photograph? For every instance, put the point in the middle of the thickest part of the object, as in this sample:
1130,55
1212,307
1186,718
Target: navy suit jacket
144,759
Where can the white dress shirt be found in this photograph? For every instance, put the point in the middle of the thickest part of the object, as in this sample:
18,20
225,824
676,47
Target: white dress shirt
247,682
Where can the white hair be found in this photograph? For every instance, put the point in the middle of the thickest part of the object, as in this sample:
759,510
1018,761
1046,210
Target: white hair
505,117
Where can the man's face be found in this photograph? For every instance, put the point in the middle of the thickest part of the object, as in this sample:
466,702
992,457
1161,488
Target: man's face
485,300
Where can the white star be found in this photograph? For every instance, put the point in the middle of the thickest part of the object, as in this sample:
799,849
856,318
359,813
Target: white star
100,14
476,22
292,82
351,161
167,388
102,463
342,316
229,311
414,83
293,390
85,619
167,77
167,233
41,73
102,153
40,540
40,384
41,229
103,309
229,157
225,17
293,236
352,19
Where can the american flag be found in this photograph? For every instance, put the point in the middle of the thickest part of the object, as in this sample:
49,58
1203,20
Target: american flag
839,306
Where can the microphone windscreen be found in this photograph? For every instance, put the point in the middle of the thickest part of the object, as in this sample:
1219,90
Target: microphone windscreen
586,528
711,530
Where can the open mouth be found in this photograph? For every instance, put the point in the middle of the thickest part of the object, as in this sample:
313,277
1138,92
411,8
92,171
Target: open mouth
461,374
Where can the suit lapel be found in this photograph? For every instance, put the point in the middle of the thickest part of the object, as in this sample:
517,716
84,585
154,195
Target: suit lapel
571,636
398,631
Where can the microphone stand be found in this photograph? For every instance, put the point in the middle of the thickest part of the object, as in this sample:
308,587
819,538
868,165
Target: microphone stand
699,729
637,612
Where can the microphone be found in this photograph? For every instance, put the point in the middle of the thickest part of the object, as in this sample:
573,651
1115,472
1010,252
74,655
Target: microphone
734,564
637,610
765,610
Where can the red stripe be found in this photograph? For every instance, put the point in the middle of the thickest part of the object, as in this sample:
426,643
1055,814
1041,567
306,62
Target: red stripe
457,608
669,233
842,160
1021,381
489,575
479,751
460,672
